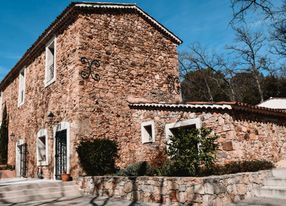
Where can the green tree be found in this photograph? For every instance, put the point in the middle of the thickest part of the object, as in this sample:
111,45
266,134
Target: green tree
190,150
97,157
4,137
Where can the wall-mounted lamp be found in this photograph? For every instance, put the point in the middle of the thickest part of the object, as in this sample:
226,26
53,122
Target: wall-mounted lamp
12,136
50,115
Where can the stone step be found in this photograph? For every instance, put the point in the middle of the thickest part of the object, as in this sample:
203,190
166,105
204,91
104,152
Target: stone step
271,192
64,190
275,182
27,191
31,185
260,201
279,173
40,196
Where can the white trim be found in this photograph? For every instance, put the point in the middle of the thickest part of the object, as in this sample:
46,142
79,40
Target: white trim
42,133
187,105
21,86
52,41
196,121
57,128
145,136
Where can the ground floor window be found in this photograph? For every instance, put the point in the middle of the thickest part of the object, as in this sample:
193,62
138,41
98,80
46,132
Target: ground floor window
172,128
42,147
148,132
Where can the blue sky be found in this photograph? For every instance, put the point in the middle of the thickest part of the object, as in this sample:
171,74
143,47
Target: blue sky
204,21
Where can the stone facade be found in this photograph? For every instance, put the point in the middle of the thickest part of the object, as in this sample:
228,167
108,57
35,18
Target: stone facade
138,63
207,191
135,60
242,135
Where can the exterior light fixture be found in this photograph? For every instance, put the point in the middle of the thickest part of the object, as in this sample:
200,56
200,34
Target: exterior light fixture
12,136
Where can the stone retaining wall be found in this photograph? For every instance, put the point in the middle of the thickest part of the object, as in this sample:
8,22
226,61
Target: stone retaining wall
213,190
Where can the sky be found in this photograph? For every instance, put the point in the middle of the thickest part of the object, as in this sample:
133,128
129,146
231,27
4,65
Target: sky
203,21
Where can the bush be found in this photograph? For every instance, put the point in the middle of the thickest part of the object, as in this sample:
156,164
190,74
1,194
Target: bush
243,166
190,150
97,157
138,169
4,137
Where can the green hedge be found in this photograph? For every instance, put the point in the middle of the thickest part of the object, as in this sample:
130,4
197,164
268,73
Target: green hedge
97,157
169,169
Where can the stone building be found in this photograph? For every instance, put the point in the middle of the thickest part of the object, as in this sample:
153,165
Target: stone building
104,70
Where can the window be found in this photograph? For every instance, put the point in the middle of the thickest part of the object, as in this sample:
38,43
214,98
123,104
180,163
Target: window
148,132
42,147
50,70
172,128
21,95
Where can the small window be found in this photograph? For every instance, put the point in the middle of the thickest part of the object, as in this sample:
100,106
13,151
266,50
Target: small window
148,132
42,147
21,94
173,128
50,71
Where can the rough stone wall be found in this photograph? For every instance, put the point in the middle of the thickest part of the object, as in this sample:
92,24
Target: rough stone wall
135,61
207,191
60,98
242,136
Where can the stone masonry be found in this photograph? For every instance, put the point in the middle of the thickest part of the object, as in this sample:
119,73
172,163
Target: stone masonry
207,191
138,60
242,135
135,60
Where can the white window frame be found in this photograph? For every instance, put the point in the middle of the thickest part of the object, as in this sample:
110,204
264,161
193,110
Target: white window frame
42,133
145,136
22,86
50,81
196,121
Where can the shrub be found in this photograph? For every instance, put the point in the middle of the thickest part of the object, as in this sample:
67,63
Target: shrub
97,157
138,169
190,150
4,137
243,166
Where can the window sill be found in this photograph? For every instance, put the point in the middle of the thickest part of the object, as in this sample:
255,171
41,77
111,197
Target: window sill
20,104
42,164
50,82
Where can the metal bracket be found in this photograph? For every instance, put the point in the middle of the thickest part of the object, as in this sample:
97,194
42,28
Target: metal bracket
86,73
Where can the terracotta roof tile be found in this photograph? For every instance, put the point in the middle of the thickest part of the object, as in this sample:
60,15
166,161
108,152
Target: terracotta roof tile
238,106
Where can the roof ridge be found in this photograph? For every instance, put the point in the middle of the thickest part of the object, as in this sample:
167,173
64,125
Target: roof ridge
70,9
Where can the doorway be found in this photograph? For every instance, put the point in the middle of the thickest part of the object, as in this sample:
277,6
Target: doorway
21,158
61,149
60,153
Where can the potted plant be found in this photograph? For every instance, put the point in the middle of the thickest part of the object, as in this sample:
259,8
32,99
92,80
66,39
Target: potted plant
65,177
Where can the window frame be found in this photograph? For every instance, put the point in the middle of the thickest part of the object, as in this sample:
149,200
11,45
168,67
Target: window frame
195,121
42,133
21,86
50,81
144,131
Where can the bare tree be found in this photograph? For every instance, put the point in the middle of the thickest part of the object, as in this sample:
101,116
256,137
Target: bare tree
278,35
241,8
249,54
199,59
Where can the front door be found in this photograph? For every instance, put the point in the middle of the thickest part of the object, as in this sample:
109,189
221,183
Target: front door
60,153
21,160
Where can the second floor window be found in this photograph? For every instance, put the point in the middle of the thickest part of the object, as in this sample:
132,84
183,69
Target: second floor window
50,71
21,95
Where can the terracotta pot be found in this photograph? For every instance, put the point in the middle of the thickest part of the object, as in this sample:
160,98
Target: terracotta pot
65,177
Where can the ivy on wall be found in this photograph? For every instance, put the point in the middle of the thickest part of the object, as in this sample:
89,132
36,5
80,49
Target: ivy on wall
4,137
